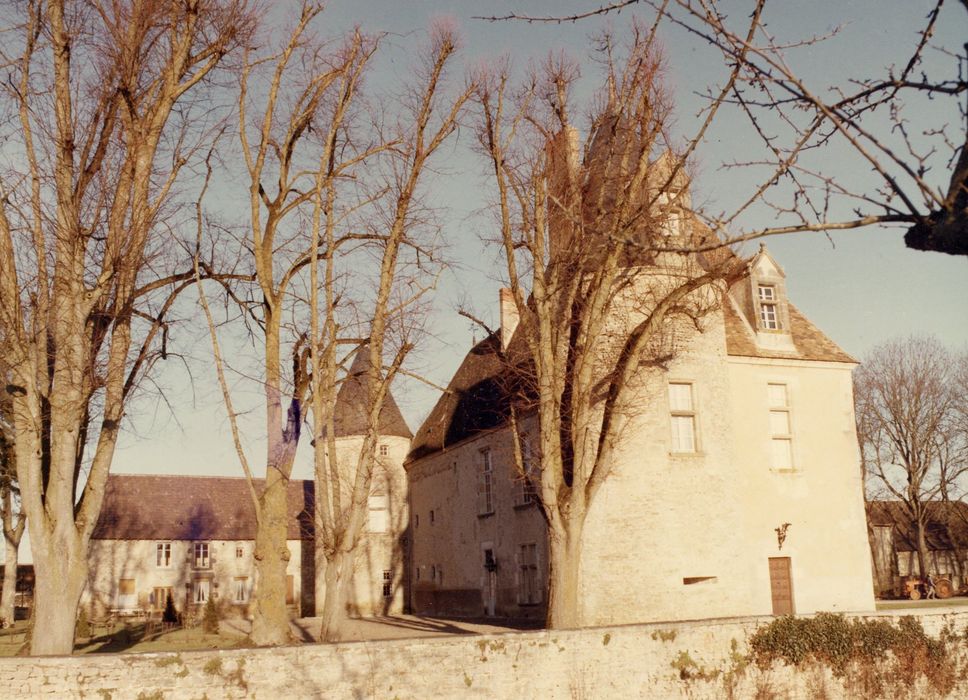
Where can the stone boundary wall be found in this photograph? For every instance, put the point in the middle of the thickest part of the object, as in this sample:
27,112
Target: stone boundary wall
630,661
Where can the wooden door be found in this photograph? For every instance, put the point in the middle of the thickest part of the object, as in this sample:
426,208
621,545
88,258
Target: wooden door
781,586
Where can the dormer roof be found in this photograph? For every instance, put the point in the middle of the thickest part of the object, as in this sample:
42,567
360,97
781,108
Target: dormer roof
764,264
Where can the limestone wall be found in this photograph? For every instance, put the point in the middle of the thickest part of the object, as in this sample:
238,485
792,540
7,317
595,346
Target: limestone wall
663,660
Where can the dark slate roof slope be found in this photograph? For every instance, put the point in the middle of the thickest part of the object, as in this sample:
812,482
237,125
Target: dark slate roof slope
150,507
350,411
811,343
475,400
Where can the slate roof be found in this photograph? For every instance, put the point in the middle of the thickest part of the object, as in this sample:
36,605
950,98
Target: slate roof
349,414
810,341
155,507
475,401
945,522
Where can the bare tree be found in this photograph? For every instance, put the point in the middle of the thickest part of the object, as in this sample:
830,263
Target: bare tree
919,163
103,126
11,514
405,274
329,189
907,402
585,233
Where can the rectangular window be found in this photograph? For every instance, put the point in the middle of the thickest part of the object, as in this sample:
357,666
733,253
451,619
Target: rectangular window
387,583
379,512
163,555
127,594
683,417
432,517
384,450
201,558
201,591
769,318
239,551
485,493
526,492
159,597
529,592
240,589
781,430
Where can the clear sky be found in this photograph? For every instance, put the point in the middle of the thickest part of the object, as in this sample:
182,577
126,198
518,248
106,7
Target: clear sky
860,287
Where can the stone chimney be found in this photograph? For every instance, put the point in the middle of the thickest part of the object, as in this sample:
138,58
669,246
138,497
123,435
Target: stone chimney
509,316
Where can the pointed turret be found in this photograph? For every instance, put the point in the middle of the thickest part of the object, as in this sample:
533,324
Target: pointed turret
350,411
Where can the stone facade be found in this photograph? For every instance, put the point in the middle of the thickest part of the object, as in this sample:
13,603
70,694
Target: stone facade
735,489
379,570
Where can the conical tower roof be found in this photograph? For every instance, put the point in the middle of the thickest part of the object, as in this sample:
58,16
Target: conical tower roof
350,412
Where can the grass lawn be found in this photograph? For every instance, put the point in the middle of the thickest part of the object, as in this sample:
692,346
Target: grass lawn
131,638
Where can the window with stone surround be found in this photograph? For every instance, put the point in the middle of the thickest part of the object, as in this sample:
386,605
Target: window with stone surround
485,490
163,555
769,308
781,429
682,410
201,558
526,491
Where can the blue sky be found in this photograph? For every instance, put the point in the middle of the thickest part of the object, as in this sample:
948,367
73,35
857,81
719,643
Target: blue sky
860,287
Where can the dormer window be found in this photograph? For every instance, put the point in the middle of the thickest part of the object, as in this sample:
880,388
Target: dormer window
769,313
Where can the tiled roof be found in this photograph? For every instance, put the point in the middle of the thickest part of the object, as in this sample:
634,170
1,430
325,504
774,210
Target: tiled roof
810,341
350,412
150,507
945,521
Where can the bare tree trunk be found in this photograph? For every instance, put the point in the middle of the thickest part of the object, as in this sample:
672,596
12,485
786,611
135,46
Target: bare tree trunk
270,625
56,597
9,590
564,578
922,547
339,572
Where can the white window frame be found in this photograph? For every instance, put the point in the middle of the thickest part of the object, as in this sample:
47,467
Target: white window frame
777,409
485,493
240,590
378,510
163,555
769,302
683,415
127,601
201,555
387,583
201,591
528,574
239,550
526,492
384,449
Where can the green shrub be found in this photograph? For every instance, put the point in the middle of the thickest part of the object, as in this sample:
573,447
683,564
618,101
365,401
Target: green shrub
838,642
210,617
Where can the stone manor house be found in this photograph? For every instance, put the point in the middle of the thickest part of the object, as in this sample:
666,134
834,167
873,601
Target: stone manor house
736,490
